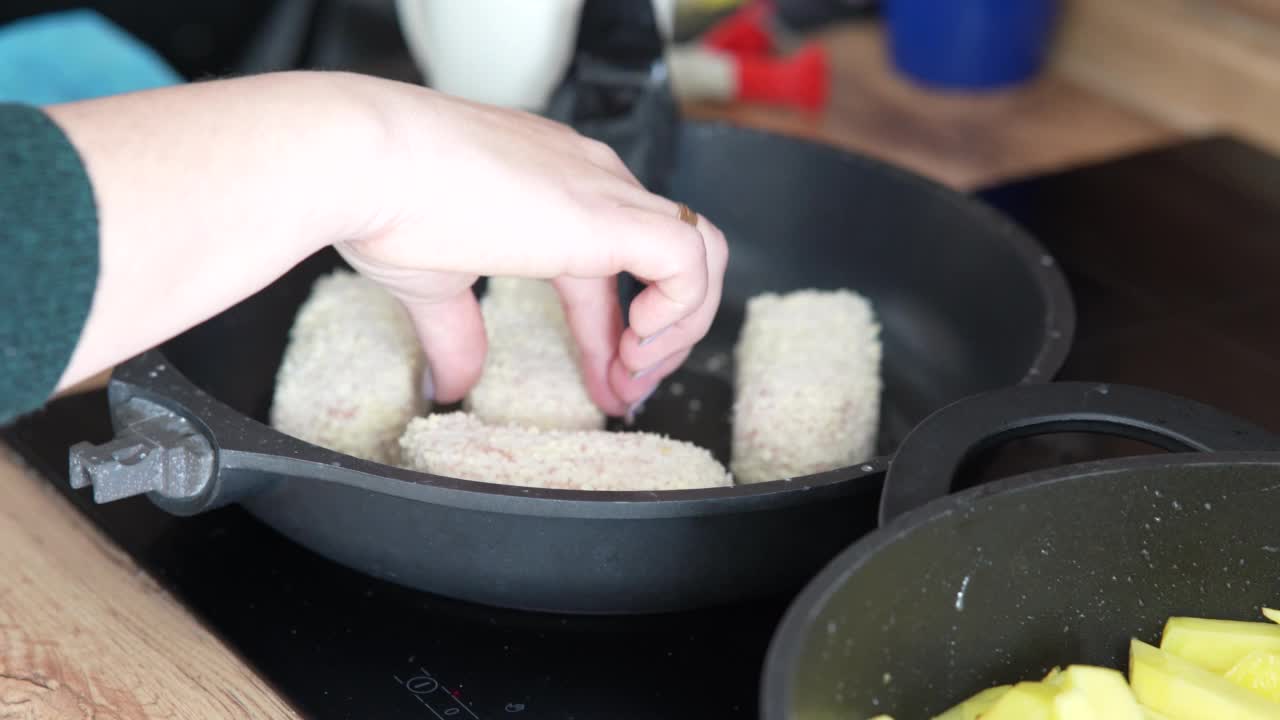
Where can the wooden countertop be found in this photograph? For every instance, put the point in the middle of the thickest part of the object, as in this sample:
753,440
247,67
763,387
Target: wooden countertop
963,140
84,633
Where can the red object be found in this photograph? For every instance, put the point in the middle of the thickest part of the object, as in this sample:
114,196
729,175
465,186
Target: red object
743,33
800,79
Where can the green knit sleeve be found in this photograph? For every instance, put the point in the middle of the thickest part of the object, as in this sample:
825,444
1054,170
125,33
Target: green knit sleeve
48,256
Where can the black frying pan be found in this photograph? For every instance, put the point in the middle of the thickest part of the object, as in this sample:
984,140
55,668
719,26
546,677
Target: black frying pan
1000,582
968,303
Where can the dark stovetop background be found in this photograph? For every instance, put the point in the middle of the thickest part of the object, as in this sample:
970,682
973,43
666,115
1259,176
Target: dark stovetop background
1172,256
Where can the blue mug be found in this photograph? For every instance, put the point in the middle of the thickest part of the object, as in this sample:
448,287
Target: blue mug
970,44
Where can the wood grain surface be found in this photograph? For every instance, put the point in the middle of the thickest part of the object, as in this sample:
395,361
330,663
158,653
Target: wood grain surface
965,140
1267,11
1195,65
85,634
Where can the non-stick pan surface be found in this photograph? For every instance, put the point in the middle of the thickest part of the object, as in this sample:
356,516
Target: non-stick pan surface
999,583
967,301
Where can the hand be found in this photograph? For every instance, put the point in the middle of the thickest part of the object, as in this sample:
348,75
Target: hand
208,192
475,190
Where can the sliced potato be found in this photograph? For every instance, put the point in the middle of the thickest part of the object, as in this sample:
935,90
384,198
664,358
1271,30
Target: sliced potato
1180,690
1204,668
1024,701
1104,689
1073,705
1258,671
1216,645
973,707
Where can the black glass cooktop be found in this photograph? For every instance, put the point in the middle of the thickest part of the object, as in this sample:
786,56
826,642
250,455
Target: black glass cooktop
1172,255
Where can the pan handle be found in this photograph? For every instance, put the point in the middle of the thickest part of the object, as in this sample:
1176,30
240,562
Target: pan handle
927,461
173,443
160,449
189,453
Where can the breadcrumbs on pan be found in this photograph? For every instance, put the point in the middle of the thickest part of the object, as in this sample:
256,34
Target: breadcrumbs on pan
807,386
531,373
459,445
351,375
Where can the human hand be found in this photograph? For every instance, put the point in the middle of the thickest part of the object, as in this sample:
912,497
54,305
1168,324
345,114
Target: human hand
470,190
208,192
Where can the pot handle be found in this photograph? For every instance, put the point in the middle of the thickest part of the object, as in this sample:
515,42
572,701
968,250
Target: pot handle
927,461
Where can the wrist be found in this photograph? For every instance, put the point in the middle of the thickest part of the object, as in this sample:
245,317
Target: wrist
207,192
344,186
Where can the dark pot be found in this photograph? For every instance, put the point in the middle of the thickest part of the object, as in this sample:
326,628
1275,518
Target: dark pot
996,584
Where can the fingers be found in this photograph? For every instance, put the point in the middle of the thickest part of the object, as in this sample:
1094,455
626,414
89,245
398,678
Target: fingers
621,368
662,251
636,389
648,351
595,319
639,355
452,333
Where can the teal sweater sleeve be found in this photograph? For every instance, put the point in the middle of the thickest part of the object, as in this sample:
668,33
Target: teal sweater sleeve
48,256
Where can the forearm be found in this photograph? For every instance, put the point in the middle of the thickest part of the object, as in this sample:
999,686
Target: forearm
208,192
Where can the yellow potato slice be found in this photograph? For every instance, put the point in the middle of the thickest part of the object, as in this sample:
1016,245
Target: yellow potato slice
1216,645
1180,690
1024,701
1272,615
1149,714
973,707
1074,705
1104,689
1258,671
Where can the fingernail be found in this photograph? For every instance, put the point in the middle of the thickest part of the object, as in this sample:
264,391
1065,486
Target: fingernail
655,336
428,386
638,406
637,374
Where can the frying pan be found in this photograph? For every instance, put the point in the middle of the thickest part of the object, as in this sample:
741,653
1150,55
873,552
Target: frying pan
968,302
998,583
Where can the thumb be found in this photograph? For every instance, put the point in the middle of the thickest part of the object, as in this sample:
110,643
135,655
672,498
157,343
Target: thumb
452,333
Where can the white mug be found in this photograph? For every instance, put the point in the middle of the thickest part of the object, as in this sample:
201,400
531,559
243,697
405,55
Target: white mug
512,53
